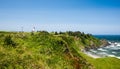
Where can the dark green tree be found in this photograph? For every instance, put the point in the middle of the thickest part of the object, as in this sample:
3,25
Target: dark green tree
8,41
56,33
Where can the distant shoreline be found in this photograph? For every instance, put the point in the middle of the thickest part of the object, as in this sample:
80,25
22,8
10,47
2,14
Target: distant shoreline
112,45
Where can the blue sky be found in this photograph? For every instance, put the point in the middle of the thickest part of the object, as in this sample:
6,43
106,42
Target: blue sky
89,16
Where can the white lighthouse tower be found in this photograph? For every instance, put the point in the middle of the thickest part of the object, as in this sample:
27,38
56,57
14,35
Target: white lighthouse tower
33,30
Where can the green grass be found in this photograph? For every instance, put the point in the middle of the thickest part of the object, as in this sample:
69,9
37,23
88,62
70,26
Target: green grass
43,50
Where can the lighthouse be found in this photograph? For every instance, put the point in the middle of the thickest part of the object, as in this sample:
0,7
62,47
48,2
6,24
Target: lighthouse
33,30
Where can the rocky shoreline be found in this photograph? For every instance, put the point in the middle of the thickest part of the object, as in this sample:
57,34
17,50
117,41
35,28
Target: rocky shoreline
104,43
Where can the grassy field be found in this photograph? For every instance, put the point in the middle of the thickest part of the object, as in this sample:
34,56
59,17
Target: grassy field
43,50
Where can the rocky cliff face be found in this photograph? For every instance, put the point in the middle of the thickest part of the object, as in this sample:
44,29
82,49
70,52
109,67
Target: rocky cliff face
104,42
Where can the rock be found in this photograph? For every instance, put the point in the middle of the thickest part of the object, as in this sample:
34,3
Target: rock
104,42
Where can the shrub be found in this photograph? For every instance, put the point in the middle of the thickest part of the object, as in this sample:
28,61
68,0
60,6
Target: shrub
8,41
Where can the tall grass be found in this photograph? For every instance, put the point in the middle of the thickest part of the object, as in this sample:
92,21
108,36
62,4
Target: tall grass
43,50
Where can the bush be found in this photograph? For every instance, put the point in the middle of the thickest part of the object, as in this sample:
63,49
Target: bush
8,41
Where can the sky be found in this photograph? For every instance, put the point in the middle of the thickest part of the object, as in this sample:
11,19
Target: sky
89,16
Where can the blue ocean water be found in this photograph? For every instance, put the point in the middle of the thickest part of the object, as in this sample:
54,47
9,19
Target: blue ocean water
112,50
113,38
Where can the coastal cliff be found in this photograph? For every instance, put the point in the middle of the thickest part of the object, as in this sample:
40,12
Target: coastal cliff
44,50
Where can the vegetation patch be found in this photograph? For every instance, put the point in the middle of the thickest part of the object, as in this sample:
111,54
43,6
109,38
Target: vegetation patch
56,50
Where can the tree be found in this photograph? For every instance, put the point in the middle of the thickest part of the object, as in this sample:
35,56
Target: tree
8,41
56,33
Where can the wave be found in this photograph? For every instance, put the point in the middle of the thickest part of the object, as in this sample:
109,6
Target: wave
101,49
113,50
118,44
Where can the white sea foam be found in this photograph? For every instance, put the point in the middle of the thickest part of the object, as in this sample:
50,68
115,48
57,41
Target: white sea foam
111,46
102,54
92,55
118,44
109,42
118,57
114,52
93,51
111,55
108,51
101,49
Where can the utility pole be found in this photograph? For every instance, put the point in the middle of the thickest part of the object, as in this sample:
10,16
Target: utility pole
33,30
21,29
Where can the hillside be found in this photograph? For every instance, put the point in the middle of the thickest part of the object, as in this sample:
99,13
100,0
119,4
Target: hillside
44,50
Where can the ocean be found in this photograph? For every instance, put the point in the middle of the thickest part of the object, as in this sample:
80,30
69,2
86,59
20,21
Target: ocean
112,50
